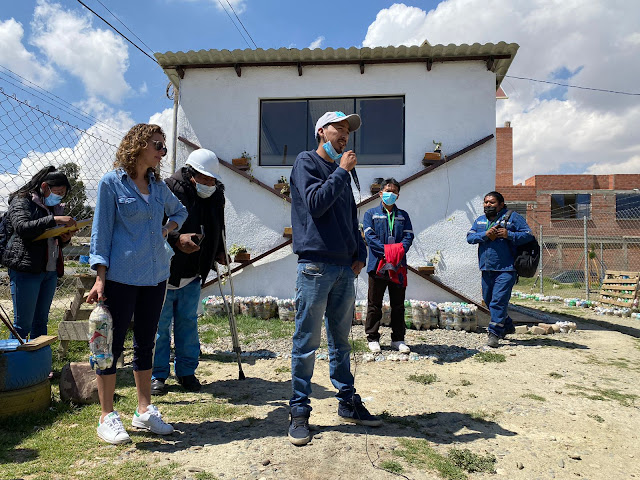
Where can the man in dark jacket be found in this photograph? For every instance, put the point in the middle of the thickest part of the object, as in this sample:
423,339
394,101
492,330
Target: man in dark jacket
331,254
196,245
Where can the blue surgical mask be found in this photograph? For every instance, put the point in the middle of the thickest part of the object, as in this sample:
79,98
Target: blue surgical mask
389,198
205,191
52,200
333,155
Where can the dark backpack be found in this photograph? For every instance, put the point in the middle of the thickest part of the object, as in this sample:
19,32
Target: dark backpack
6,230
527,255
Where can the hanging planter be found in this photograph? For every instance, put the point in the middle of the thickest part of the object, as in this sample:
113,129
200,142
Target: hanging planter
288,232
239,253
283,186
243,162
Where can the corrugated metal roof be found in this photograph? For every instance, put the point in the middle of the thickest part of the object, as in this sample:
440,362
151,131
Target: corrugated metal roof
503,54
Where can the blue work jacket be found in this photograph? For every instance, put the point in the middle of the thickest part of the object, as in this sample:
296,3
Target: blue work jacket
378,234
498,255
126,235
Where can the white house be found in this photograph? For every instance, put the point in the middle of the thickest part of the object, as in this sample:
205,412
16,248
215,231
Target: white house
266,102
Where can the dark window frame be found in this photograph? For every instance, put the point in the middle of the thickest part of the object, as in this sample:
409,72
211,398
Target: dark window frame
570,210
352,138
620,215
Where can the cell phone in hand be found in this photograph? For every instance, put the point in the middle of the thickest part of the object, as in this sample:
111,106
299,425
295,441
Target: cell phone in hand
198,239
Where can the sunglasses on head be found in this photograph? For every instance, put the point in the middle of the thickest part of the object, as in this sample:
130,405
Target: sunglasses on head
158,145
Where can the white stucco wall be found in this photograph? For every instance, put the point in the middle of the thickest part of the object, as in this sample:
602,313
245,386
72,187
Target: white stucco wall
453,103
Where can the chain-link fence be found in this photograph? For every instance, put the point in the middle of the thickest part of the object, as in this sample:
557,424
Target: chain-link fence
581,242
30,139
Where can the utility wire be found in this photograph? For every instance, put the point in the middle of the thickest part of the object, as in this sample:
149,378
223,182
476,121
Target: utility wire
122,23
234,23
245,29
118,32
62,103
617,92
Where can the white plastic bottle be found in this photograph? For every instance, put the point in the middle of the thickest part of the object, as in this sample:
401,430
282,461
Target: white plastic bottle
100,337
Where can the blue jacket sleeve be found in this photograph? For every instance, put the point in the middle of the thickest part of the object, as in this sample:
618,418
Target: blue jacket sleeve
102,230
373,241
521,233
407,234
361,254
475,236
318,194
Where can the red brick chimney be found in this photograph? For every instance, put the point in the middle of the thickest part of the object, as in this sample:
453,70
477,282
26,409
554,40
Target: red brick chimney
504,156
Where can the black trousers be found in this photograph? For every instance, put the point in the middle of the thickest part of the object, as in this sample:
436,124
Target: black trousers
377,287
144,305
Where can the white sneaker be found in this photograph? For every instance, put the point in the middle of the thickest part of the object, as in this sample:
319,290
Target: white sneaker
400,346
112,430
151,420
374,347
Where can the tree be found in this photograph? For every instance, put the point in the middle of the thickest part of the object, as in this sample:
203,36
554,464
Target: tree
76,199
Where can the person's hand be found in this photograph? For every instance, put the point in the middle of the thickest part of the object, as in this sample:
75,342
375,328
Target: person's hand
502,232
492,233
186,244
97,292
221,258
65,237
65,220
357,267
348,160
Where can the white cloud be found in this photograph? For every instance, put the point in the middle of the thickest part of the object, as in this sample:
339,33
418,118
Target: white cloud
18,59
630,166
317,43
98,57
555,131
240,6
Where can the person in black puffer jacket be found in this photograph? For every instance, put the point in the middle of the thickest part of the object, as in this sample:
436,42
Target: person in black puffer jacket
196,245
34,266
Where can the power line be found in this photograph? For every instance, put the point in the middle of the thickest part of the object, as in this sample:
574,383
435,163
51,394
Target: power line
122,23
119,32
234,23
572,86
245,29
62,103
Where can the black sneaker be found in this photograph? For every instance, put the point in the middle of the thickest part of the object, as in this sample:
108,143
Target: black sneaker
493,341
190,383
355,412
511,329
158,387
299,426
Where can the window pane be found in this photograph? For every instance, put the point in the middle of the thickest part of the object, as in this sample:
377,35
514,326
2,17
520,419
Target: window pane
628,205
317,108
283,127
380,140
583,205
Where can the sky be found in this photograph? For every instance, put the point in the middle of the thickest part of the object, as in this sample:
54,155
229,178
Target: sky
65,49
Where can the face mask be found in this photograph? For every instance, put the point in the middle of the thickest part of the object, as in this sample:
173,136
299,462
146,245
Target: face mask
490,211
333,155
389,198
52,200
205,191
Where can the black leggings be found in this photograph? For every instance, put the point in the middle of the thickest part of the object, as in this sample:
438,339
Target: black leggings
144,305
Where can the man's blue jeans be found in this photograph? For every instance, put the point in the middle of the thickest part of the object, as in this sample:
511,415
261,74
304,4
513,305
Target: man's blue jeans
181,306
31,294
322,291
496,293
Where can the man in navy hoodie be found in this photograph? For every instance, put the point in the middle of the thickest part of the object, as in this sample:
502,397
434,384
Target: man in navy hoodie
331,253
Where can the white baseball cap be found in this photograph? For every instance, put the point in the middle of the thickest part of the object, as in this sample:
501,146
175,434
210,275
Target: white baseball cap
334,117
205,162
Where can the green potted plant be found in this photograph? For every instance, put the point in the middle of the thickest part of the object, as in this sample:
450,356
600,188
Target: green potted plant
283,186
243,162
430,157
239,253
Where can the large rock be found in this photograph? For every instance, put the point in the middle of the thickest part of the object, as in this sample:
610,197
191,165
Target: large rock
78,383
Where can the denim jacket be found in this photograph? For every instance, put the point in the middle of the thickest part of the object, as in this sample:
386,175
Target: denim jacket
498,255
127,231
376,232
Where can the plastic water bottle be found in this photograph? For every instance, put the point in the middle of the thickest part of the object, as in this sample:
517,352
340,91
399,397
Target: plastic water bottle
100,337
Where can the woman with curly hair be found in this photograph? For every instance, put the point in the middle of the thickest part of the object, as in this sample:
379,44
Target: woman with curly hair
35,265
131,257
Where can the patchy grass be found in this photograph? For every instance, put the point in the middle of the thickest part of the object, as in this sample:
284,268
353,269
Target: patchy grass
420,454
555,375
359,345
596,417
452,393
533,396
482,416
622,363
205,476
465,383
489,357
472,462
605,394
391,466
280,370
215,327
424,378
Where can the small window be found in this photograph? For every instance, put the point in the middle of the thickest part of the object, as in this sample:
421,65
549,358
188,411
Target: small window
520,208
286,128
574,205
628,205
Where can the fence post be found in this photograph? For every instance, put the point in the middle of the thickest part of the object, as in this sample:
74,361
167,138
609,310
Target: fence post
541,241
586,258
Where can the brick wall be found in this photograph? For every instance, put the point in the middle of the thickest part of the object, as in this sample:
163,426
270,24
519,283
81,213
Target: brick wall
504,157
